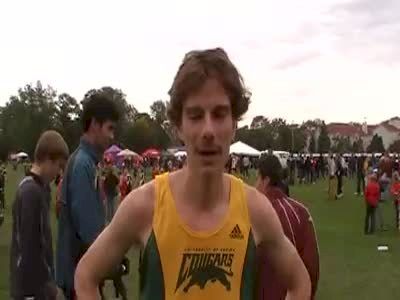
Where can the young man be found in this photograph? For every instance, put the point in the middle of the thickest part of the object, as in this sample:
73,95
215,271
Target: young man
31,257
297,225
199,228
82,214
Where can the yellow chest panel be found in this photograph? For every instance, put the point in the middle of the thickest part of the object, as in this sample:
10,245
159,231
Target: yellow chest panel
201,265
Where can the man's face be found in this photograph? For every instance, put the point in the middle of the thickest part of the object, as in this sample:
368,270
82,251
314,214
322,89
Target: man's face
104,133
207,127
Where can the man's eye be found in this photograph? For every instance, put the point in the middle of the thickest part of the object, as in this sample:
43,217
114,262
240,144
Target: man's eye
195,117
220,114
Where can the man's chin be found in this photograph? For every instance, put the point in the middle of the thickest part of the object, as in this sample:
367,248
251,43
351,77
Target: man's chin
210,169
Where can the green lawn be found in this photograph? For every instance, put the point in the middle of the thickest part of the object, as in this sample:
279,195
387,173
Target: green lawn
351,266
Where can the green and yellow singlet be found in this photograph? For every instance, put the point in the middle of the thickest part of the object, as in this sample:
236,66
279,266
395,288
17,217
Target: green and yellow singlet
179,263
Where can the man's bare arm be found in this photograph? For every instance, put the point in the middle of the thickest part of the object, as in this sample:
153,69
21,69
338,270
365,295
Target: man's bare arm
129,226
279,250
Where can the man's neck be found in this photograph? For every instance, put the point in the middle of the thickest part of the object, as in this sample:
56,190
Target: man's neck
91,140
203,190
88,138
37,170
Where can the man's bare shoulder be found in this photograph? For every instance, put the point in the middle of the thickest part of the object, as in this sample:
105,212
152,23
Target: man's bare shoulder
257,203
136,211
140,200
263,218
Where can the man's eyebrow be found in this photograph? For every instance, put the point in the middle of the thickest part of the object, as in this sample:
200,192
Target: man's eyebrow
222,107
193,109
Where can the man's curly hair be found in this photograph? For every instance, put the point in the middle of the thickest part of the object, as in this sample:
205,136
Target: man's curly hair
199,66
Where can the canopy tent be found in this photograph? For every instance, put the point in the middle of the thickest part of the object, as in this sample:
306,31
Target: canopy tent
241,148
151,152
180,153
114,149
20,155
110,155
127,153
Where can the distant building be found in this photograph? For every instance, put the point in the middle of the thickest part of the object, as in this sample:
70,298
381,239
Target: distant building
389,130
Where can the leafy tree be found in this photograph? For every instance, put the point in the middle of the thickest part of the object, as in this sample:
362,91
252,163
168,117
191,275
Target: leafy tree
67,119
376,145
144,133
358,146
26,115
312,146
158,111
395,147
324,142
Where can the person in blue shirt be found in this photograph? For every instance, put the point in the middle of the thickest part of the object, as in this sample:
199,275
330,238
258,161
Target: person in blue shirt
82,214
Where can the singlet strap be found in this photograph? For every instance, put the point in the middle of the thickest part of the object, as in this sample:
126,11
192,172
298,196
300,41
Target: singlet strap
239,189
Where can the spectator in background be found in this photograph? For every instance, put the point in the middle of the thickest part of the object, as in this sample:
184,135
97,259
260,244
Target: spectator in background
395,191
385,166
156,169
297,225
31,255
111,191
125,183
246,166
2,188
372,196
307,169
82,215
331,175
340,172
360,171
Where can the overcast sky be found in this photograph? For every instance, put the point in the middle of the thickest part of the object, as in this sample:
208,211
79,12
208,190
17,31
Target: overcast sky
338,60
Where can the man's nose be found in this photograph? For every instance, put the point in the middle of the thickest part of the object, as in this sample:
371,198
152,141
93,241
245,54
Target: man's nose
209,127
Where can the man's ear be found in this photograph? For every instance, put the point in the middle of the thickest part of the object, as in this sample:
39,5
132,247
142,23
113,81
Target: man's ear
178,132
235,124
266,181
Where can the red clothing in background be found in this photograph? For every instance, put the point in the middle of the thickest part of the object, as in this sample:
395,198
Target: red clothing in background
124,186
372,193
395,191
298,227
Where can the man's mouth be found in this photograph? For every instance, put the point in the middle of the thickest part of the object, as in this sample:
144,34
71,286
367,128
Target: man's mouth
208,153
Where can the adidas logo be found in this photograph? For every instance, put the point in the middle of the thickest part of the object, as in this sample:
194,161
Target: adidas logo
236,233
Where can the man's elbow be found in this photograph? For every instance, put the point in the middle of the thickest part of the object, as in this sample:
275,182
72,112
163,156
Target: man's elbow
85,283
301,288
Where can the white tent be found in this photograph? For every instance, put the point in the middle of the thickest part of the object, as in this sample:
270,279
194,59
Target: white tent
21,155
243,149
180,153
127,153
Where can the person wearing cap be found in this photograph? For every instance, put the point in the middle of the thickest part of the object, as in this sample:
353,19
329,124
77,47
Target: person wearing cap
297,225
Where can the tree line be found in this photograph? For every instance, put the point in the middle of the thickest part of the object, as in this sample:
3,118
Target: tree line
36,108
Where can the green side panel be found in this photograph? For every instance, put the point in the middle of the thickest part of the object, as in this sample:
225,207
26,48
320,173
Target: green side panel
247,289
150,270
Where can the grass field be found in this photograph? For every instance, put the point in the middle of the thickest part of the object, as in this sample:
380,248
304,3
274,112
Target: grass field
351,266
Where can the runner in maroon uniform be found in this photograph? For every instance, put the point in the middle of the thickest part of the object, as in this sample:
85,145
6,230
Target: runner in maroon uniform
297,225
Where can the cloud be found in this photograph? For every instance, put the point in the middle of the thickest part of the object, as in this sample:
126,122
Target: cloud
366,30
297,60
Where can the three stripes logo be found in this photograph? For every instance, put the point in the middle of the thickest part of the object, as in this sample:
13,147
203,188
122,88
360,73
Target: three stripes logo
236,233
